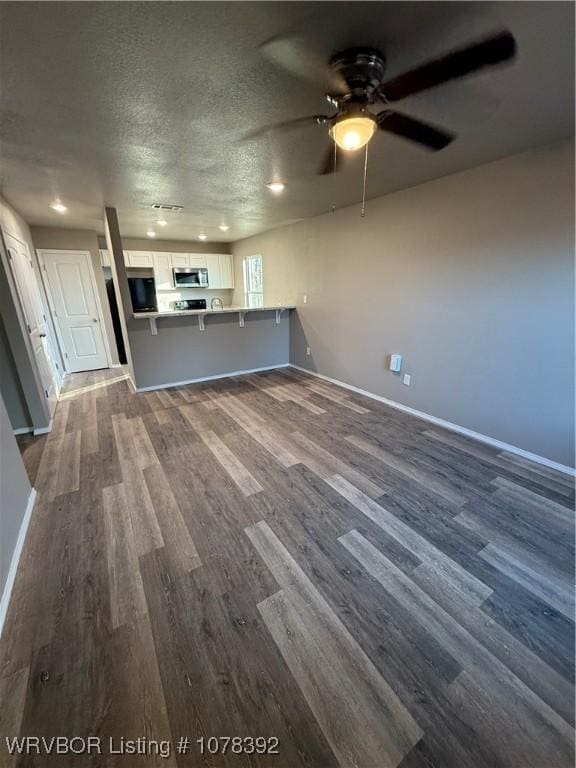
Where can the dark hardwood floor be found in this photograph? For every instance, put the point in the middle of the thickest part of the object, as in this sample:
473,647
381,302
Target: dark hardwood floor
272,556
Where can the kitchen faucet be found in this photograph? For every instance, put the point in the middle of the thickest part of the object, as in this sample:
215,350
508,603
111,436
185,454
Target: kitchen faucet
216,298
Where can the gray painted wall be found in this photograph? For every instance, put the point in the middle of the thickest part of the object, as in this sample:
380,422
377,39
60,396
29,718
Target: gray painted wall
181,352
170,246
14,494
470,277
10,387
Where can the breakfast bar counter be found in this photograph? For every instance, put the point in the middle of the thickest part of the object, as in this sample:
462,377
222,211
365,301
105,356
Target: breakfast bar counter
241,311
188,345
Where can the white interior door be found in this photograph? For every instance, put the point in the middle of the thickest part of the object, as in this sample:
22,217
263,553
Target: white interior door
72,295
30,300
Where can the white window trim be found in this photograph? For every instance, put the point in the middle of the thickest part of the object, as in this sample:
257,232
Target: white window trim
249,296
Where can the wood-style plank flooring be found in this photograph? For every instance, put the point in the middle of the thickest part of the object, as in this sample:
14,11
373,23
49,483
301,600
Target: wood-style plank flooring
273,556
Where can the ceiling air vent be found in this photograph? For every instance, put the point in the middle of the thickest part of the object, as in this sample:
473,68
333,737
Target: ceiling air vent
164,207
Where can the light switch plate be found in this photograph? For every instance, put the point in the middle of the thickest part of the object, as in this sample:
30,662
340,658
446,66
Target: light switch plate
406,379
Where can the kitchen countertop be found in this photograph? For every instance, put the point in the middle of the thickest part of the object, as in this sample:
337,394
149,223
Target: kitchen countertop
225,310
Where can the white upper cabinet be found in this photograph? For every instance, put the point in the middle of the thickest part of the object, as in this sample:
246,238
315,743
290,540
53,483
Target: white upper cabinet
220,266
139,258
220,270
106,261
214,276
188,259
163,271
227,270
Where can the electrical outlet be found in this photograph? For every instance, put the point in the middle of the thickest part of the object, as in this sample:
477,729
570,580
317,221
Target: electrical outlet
305,298
308,351
406,379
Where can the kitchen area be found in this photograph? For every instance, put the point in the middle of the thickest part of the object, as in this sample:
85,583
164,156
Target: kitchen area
167,281
186,322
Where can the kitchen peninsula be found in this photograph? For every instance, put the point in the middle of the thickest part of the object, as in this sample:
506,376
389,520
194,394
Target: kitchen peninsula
241,311
175,333
181,346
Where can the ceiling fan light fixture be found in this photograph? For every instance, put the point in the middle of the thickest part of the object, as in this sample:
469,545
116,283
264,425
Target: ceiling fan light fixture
353,133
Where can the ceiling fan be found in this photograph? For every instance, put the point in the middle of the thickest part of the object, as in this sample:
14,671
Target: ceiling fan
357,85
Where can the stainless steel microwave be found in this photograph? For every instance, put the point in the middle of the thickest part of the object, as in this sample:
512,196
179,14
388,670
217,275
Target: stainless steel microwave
191,277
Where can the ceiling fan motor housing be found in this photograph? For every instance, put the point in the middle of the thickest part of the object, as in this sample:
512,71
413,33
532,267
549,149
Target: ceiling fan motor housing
363,70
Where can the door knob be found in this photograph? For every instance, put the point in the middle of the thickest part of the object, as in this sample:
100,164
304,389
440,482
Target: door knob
94,319
42,335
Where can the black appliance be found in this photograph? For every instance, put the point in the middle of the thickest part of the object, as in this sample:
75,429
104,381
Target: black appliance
143,294
184,304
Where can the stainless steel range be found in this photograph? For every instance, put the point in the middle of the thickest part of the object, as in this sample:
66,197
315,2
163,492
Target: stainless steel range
184,304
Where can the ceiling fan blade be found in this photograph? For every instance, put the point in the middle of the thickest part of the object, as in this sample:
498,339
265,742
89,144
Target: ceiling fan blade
332,161
415,130
486,53
295,55
287,125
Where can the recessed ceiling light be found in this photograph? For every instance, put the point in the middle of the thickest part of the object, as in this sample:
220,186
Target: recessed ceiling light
151,233
276,187
162,222
224,227
58,207
202,237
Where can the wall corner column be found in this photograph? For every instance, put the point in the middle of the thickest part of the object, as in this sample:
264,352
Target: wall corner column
119,278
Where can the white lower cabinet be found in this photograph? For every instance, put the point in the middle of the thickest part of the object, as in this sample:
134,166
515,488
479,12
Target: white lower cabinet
220,270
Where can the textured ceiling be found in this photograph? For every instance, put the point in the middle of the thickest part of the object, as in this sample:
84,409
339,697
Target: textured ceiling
126,104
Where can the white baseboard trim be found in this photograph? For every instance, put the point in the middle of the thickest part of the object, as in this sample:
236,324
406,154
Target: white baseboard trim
44,430
448,425
7,593
23,430
210,378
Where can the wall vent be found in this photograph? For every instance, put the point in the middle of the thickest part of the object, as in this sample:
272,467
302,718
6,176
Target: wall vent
164,207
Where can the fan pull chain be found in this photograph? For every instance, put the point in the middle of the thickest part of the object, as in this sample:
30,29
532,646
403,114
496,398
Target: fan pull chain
333,207
363,212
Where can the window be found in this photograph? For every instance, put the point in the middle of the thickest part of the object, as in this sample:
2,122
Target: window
253,281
